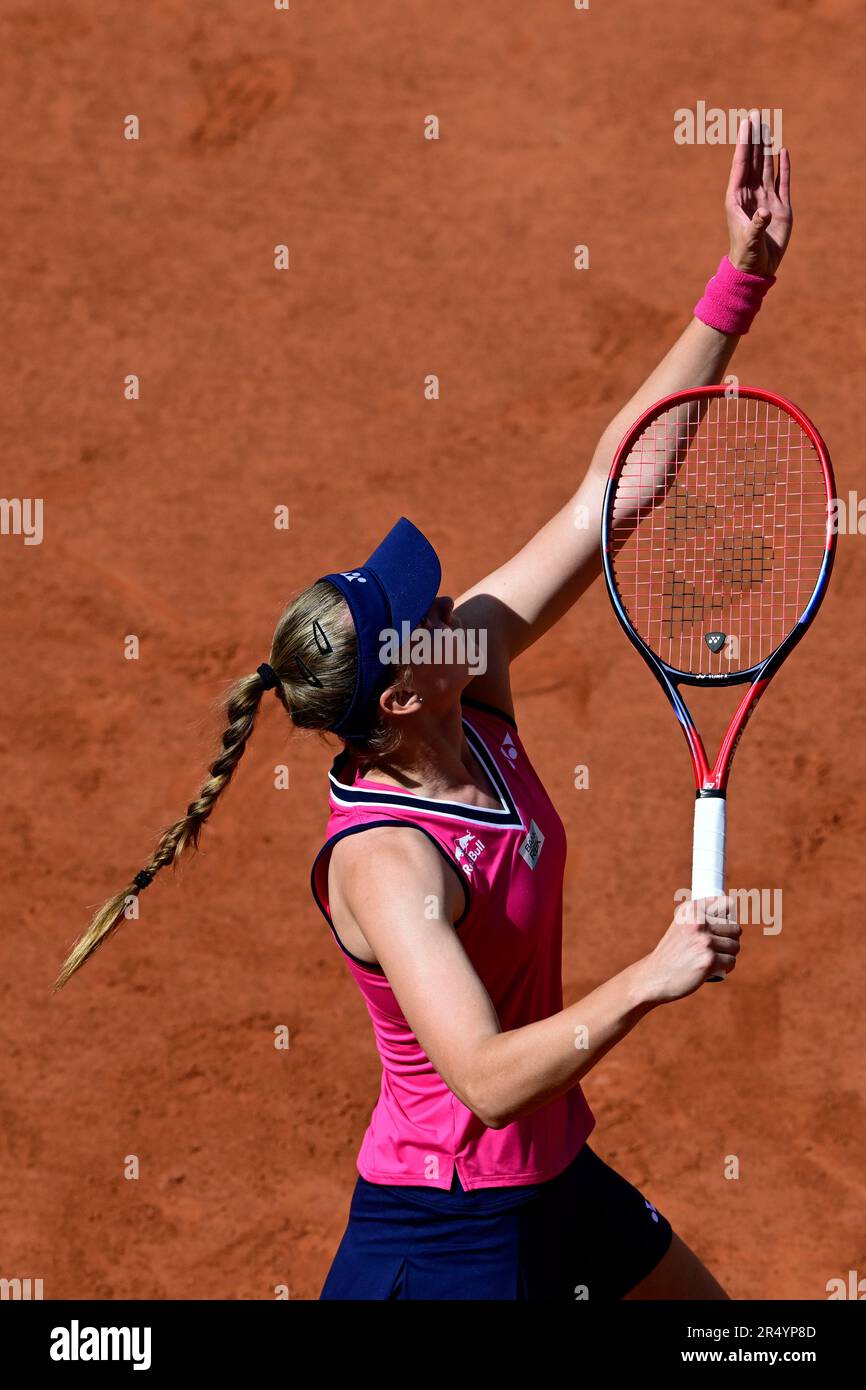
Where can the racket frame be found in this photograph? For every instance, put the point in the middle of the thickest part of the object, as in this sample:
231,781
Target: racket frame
713,780
709,841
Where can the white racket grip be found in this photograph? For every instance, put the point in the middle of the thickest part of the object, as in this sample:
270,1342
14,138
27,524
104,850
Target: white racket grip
708,847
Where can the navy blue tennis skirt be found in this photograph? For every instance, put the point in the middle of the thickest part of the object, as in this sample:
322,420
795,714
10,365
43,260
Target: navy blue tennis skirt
587,1233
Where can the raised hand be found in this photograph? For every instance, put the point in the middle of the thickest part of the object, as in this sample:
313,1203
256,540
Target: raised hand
758,201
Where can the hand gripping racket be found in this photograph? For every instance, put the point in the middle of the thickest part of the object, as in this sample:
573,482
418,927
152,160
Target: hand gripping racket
717,545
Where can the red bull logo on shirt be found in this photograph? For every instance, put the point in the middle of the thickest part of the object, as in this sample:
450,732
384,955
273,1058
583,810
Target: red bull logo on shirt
467,850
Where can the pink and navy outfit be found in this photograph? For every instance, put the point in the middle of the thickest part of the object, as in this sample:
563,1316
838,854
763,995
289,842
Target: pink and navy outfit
443,1206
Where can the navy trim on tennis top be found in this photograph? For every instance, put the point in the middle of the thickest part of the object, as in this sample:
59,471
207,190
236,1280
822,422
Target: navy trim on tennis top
489,709
506,815
372,825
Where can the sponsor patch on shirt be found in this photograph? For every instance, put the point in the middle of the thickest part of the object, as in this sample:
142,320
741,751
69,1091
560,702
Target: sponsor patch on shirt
531,847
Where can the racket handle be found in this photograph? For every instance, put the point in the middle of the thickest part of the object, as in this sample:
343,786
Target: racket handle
708,851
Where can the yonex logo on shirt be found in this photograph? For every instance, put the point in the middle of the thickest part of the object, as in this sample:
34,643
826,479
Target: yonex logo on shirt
509,748
530,849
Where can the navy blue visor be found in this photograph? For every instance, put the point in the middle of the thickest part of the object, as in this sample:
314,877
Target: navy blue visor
396,585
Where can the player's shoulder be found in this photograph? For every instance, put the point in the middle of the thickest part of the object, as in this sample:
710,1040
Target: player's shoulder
398,848
389,869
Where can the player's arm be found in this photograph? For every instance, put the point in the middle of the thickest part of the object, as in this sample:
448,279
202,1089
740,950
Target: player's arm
405,897
523,598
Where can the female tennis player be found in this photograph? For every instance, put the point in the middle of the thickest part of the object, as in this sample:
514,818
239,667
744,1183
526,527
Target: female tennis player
441,880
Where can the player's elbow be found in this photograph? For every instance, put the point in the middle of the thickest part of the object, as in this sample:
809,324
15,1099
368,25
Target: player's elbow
479,1097
489,1115
497,1121
472,1073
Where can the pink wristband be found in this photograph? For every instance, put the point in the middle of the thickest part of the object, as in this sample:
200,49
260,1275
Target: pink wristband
732,298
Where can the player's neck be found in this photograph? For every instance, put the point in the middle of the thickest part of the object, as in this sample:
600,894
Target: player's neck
435,761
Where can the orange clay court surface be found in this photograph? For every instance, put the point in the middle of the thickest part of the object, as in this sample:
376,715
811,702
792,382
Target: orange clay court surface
305,389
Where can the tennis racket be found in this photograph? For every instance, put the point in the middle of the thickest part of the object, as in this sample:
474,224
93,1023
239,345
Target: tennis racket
717,545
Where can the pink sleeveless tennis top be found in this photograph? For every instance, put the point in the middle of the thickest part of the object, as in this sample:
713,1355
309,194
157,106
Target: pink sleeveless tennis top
510,862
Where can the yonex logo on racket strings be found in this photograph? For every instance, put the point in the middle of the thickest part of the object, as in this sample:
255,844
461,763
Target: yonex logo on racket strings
715,640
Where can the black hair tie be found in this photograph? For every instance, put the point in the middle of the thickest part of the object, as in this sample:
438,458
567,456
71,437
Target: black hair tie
270,679
142,879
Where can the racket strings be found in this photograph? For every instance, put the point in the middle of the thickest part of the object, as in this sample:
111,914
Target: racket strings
718,532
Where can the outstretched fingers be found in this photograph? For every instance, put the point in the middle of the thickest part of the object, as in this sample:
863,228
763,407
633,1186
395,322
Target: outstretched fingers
741,164
783,179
